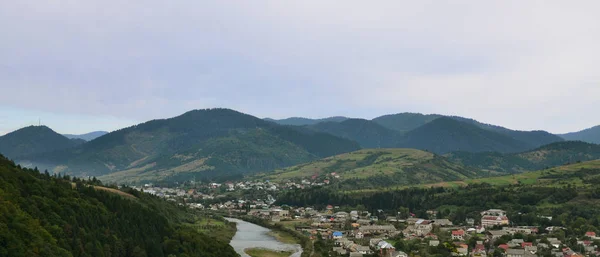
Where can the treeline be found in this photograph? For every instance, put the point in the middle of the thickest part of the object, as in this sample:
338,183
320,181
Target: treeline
570,206
43,215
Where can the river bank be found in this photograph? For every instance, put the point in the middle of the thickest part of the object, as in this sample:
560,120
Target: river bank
250,236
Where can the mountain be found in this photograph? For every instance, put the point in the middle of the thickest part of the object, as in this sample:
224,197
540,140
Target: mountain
404,122
444,135
88,136
299,121
591,135
372,168
367,133
551,155
198,144
34,140
43,215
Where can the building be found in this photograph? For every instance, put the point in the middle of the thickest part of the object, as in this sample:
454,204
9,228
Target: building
515,252
337,235
377,229
494,217
458,234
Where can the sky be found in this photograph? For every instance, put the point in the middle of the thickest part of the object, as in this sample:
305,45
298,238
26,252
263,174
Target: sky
82,66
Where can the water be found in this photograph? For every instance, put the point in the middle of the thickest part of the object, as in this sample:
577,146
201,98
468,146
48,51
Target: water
250,235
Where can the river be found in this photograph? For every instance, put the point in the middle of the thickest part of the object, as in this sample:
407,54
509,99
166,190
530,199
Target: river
250,235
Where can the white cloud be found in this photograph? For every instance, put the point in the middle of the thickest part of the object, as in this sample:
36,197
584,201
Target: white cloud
522,64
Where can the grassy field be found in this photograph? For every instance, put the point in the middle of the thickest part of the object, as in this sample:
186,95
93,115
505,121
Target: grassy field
213,227
283,237
389,166
562,175
260,252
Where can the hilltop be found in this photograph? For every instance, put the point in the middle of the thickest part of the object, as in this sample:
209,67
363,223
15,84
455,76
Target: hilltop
87,136
45,215
367,133
299,121
445,135
198,144
34,140
551,155
378,167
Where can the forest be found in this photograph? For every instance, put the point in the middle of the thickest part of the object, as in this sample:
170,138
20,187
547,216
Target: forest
50,215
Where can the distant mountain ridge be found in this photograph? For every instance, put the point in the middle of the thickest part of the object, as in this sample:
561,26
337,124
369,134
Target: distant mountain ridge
555,154
299,121
590,135
199,143
87,136
34,140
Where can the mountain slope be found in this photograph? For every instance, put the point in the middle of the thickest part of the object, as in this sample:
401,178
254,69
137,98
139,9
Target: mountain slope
33,140
404,122
551,155
42,215
445,135
590,135
367,133
370,168
87,136
299,121
200,143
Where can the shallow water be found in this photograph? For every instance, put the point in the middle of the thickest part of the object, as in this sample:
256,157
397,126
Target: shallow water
250,235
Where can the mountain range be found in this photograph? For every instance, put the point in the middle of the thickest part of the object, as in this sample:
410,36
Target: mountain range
223,143
87,136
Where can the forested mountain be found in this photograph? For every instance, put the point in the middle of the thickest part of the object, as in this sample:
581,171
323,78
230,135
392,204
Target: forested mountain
43,215
299,121
551,155
197,144
590,135
34,140
404,122
367,133
87,136
373,168
445,135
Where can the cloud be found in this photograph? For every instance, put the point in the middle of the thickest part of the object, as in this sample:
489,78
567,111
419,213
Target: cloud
522,64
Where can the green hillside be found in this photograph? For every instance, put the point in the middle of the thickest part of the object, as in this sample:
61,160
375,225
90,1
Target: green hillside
34,140
590,135
43,215
378,167
551,155
367,133
404,122
198,144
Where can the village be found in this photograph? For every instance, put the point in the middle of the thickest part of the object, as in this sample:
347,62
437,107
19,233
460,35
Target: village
357,233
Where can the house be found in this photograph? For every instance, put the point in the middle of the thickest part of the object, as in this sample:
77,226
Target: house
364,249
495,234
398,254
479,250
423,227
503,247
515,253
339,250
590,234
442,222
462,249
458,234
377,229
359,235
494,217
337,235
515,242
356,254
434,242
526,244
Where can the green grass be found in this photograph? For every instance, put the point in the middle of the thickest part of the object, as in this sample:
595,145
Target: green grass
213,227
261,252
564,176
283,237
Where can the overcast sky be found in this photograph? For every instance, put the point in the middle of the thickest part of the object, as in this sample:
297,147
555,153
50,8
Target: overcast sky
91,65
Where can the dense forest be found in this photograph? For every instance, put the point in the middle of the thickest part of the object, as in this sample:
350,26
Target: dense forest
44,215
